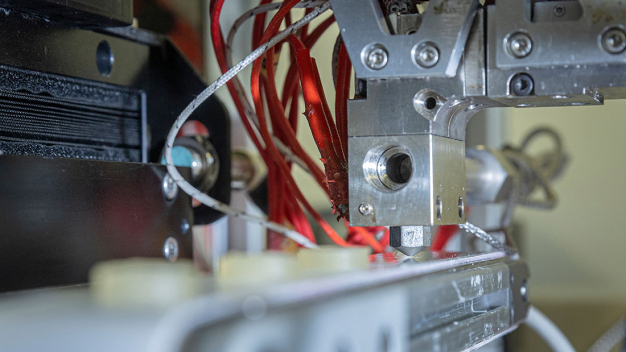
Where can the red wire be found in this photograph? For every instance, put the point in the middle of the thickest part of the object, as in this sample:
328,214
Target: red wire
281,124
369,239
273,152
336,173
291,80
344,75
281,171
259,26
219,47
337,146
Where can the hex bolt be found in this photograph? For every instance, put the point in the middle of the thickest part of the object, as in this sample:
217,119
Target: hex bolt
410,240
559,10
184,227
366,209
614,41
519,45
426,55
522,85
375,56
170,249
170,188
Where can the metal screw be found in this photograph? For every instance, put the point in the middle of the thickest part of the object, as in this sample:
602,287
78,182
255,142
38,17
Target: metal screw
375,56
170,249
426,55
522,85
170,188
519,45
559,10
614,41
184,227
366,209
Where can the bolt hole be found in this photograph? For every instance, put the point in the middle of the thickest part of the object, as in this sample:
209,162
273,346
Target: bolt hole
104,58
438,207
461,208
522,85
559,10
430,103
399,168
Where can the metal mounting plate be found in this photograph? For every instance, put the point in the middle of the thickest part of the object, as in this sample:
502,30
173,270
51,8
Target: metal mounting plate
559,43
446,23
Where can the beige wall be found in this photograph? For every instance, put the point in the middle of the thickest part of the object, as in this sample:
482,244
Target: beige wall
578,251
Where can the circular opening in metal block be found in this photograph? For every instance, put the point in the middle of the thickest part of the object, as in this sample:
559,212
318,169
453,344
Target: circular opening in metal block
399,168
430,103
104,58
388,169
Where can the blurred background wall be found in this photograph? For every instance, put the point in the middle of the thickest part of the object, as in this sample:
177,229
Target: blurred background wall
577,252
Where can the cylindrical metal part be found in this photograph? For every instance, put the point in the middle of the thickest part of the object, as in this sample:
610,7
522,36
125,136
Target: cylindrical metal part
476,176
488,176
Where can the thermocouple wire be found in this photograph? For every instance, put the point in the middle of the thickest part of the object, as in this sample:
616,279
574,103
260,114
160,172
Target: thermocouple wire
210,90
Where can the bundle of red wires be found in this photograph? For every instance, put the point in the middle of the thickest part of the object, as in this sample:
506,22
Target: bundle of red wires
286,202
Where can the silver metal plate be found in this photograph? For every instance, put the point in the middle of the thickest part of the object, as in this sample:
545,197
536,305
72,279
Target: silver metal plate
559,43
446,23
438,171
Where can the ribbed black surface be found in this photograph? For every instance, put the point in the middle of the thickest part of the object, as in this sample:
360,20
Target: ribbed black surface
42,125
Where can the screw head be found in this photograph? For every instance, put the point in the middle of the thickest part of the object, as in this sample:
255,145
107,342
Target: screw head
170,249
614,41
366,209
170,188
184,227
522,85
426,55
519,45
375,56
559,10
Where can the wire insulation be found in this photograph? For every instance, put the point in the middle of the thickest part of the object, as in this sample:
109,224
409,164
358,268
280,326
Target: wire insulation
611,337
485,236
209,91
548,331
